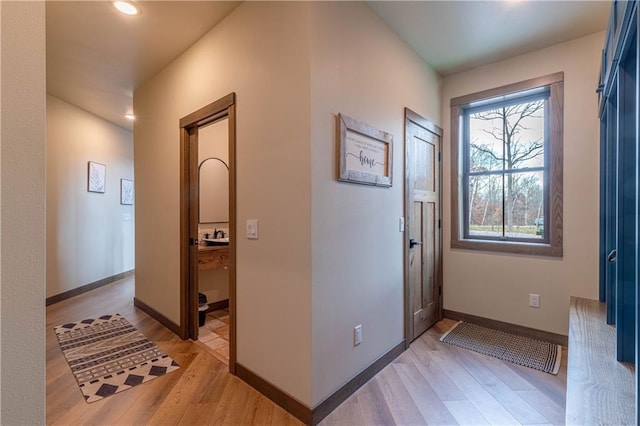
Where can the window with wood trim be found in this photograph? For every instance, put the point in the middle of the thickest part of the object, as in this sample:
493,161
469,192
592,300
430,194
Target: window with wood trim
506,165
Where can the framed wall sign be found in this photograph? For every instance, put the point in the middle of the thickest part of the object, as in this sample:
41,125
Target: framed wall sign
364,153
96,177
126,192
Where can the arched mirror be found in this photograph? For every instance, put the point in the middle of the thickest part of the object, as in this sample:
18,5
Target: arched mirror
213,175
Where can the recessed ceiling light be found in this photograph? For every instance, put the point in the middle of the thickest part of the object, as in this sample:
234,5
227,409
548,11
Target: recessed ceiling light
130,116
127,7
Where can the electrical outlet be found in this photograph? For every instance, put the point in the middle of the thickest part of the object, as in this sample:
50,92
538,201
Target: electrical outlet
357,335
534,300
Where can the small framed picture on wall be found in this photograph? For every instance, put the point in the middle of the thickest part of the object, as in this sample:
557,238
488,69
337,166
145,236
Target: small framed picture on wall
126,192
96,177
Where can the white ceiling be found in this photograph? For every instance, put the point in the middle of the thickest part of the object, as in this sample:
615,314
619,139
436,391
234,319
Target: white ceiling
454,36
96,57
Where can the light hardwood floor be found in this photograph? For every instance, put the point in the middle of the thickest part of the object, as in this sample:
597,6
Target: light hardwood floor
431,383
201,391
440,384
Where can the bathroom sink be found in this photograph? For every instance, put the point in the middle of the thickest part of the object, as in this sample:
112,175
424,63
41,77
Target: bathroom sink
216,241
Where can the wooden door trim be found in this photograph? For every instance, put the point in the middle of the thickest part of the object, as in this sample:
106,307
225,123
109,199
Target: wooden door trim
422,122
412,117
221,108
194,184
233,237
208,112
184,232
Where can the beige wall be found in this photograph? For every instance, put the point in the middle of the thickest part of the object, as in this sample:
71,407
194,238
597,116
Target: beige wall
1,114
22,217
497,286
318,268
260,52
360,68
89,235
292,71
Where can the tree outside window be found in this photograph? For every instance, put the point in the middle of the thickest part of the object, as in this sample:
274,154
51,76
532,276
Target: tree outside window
505,170
506,154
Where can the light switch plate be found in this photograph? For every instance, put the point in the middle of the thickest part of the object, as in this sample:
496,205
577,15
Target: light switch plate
126,217
401,224
357,335
252,229
534,300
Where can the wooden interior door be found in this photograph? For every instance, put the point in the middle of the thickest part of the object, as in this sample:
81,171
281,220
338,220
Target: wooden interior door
422,231
189,208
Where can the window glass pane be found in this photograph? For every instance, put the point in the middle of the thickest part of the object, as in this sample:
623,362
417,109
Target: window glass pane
485,206
510,135
524,205
485,143
502,142
524,135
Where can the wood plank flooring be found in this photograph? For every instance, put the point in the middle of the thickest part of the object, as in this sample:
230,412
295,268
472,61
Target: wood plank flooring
431,383
200,392
439,384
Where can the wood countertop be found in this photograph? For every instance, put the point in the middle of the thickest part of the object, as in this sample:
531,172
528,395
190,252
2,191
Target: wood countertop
212,248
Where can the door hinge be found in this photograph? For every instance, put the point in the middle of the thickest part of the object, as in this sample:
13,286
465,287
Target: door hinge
440,290
439,223
439,156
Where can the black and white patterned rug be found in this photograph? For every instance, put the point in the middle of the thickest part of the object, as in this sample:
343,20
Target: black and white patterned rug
532,353
108,355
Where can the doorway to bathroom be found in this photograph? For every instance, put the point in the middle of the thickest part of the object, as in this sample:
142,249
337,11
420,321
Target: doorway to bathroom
207,228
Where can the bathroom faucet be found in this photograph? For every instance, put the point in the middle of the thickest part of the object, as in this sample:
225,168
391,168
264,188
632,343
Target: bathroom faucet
218,232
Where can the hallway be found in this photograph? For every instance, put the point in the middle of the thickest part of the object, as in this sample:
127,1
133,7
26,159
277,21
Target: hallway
431,382
201,391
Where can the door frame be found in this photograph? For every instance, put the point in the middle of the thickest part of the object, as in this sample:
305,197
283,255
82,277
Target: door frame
412,117
222,108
